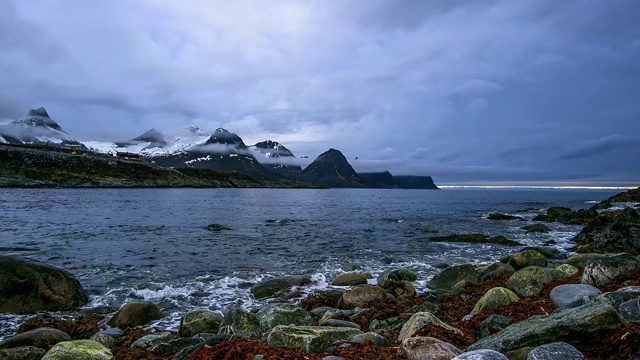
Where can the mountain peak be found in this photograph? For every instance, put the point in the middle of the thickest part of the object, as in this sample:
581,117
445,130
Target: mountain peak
38,112
152,136
223,137
332,169
39,118
196,130
273,149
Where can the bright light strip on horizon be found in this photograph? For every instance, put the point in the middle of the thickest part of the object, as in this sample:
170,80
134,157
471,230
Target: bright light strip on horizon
568,187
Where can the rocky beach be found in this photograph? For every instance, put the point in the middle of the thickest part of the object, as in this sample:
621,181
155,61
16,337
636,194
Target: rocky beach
537,302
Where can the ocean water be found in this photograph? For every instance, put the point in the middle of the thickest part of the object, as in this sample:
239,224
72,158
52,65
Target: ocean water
153,244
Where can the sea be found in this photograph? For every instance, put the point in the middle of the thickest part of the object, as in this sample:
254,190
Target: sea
153,244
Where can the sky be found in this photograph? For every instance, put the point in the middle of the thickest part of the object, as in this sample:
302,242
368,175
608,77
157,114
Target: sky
470,92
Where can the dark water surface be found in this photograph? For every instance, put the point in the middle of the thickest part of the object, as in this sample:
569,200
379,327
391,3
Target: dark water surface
153,244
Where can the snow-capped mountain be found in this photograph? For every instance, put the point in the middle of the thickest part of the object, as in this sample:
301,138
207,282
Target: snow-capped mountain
272,149
36,128
276,157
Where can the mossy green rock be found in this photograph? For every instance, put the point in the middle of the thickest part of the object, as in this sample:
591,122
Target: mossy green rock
452,276
135,313
201,321
150,340
522,259
240,323
493,298
581,260
418,321
563,271
529,281
309,338
41,338
105,340
78,349
601,271
27,286
273,315
571,326
392,275
22,353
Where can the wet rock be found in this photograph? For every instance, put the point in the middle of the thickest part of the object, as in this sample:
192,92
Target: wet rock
484,354
402,289
452,276
176,345
100,310
418,321
630,310
553,351
573,295
601,271
78,349
498,216
27,286
22,353
563,271
552,214
581,260
320,311
273,315
496,270
611,232
361,296
578,217
105,340
151,340
547,251
571,325
537,228
339,323
136,313
392,275
522,259
370,338
350,279
270,287
529,281
493,298
41,338
616,298
427,348
201,321
493,324
341,314
240,323
309,338
440,265
217,227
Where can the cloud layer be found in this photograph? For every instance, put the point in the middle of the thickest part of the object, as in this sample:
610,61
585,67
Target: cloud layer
480,91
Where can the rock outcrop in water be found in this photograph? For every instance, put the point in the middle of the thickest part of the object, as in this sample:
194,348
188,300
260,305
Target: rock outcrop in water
27,287
611,231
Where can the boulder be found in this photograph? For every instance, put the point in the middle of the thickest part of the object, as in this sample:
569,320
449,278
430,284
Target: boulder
201,321
78,349
176,345
273,315
452,276
392,275
578,217
427,348
581,260
339,323
309,338
22,353
361,296
350,279
529,281
136,313
616,298
547,251
426,306
268,288
418,321
611,232
240,323
573,295
498,216
571,325
402,289
552,214
370,338
27,286
554,351
43,338
151,340
496,270
536,228
484,354
522,259
630,310
493,324
320,311
104,339
603,270
217,227
493,298
562,271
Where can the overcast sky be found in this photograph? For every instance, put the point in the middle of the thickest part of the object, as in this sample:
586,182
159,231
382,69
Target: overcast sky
483,92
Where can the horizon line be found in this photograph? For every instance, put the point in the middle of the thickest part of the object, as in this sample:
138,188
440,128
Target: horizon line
559,187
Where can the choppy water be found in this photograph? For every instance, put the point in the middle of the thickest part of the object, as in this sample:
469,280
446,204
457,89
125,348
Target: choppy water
153,244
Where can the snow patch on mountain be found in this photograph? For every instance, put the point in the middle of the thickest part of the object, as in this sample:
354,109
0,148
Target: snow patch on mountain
2,140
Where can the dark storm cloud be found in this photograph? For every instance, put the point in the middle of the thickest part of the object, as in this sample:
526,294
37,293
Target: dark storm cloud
465,91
